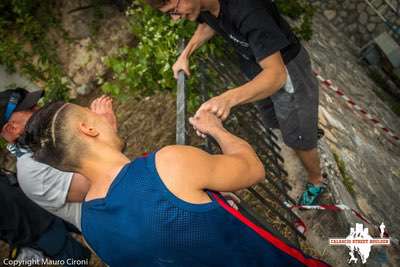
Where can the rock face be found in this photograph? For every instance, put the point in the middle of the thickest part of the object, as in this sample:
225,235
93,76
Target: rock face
357,19
82,57
367,157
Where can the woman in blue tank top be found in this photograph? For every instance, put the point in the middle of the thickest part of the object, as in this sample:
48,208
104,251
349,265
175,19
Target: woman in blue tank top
161,210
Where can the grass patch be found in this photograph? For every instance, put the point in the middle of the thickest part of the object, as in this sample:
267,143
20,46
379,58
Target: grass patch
347,179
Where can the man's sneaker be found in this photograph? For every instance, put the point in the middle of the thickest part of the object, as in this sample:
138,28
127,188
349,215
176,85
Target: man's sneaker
311,194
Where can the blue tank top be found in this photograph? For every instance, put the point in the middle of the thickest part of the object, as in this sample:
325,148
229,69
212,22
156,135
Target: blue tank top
140,223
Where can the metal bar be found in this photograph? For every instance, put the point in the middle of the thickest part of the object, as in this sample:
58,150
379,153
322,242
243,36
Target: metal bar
261,123
181,134
278,198
270,193
222,74
265,140
272,159
181,109
277,170
283,218
256,219
250,214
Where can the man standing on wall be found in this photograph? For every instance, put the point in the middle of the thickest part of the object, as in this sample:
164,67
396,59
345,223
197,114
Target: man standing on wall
276,65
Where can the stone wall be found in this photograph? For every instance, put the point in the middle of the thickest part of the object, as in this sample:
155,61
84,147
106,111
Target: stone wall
368,158
356,18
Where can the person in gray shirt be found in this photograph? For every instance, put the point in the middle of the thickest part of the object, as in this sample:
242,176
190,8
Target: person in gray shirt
60,193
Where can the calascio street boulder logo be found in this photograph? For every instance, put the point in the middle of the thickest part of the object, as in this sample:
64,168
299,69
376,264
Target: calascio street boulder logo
360,242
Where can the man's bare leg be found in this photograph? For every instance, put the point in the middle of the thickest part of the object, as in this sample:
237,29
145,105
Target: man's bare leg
311,161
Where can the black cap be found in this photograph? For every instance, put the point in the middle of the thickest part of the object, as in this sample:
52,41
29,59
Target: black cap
25,100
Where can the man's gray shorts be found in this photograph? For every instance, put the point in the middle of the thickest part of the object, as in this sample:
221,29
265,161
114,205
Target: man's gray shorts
294,108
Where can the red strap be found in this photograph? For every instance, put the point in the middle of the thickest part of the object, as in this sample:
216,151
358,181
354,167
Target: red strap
295,253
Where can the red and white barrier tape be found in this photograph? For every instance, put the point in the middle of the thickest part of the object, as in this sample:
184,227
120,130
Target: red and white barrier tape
338,208
376,122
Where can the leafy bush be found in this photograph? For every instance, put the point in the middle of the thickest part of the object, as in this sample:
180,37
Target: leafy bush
24,45
147,67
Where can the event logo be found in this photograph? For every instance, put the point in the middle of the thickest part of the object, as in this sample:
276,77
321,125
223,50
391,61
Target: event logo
359,241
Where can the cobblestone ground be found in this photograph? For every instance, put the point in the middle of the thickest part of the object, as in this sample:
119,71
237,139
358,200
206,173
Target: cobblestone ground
357,19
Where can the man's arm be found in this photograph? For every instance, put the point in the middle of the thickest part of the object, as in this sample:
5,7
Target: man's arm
266,83
78,188
202,34
266,40
187,171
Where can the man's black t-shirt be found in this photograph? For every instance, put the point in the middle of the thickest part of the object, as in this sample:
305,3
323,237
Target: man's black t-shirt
22,222
256,30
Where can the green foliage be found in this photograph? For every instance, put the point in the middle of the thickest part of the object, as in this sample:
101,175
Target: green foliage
147,67
24,46
301,11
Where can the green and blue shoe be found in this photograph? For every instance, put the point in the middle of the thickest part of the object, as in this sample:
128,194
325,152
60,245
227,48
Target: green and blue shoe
311,194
